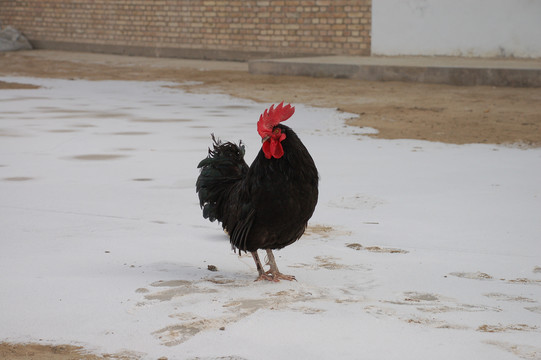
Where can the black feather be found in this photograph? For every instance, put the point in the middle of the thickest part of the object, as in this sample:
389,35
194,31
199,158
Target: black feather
266,205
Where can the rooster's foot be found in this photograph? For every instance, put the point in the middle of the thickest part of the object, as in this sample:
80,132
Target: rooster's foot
277,276
274,277
274,272
267,277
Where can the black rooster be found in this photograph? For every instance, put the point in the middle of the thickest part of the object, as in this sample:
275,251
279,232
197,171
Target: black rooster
267,205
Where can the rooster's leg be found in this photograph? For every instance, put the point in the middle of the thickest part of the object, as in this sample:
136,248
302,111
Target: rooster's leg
262,274
276,275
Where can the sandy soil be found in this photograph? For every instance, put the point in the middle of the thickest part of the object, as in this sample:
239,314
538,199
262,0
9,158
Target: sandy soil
449,114
46,352
9,351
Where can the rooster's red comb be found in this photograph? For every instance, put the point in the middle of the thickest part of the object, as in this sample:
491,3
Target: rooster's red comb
272,117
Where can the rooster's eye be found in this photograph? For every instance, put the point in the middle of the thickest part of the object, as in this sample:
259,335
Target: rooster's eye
276,131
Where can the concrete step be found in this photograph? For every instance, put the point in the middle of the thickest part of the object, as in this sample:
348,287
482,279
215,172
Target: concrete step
437,70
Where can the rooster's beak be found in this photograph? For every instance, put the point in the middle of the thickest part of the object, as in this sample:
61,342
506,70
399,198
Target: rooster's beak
265,138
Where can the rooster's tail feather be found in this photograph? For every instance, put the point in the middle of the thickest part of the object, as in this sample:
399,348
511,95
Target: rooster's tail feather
220,171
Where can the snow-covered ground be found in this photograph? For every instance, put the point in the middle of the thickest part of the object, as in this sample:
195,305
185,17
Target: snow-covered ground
417,250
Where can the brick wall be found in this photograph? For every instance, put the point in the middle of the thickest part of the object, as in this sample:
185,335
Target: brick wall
219,29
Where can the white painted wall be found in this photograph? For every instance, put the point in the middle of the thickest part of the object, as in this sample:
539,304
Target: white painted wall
484,28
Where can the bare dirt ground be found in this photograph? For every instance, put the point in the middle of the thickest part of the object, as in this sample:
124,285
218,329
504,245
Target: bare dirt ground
42,352
54,352
443,113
